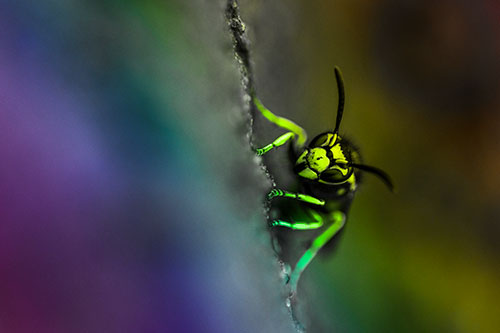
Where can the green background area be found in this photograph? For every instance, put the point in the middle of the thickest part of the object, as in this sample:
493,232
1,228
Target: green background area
422,103
130,200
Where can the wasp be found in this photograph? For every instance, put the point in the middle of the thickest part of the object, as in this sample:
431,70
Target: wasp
328,171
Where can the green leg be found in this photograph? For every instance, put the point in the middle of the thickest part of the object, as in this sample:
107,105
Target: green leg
276,143
338,222
282,122
298,196
317,223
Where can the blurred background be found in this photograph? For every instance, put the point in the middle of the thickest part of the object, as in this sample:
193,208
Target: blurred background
130,200
422,102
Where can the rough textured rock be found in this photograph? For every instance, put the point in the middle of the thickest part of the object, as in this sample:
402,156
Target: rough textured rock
132,200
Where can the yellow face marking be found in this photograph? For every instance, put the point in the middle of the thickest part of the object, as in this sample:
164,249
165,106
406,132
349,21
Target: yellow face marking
302,157
352,181
318,160
308,174
338,154
330,141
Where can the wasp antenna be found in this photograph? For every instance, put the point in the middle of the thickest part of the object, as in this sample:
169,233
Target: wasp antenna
384,177
340,109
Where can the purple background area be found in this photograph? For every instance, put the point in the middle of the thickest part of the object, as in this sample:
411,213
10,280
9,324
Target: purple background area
131,202
106,213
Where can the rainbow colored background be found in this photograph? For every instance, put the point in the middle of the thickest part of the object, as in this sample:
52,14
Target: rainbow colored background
130,200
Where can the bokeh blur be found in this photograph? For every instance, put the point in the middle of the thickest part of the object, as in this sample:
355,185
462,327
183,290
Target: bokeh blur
423,103
119,202
131,202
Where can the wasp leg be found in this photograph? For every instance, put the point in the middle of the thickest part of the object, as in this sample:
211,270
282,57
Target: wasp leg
276,143
317,223
282,122
338,222
298,196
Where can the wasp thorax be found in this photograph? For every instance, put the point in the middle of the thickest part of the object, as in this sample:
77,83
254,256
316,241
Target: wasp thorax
318,160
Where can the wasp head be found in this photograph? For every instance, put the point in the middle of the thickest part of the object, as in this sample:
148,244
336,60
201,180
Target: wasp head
329,160
326,160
